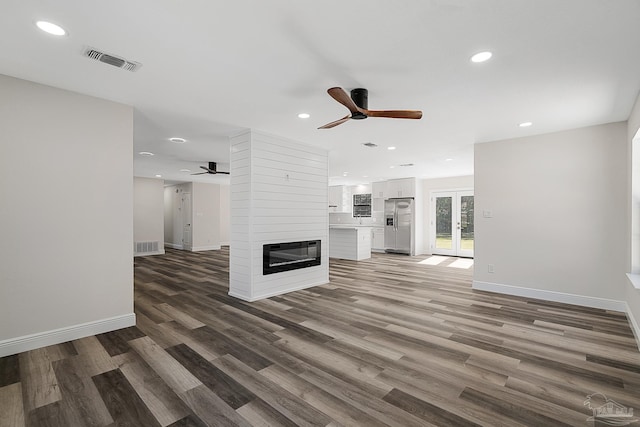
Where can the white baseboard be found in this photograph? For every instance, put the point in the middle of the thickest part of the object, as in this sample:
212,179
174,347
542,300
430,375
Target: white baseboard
173,245
205,248
70,333
593,302
635,327
160,252
275,293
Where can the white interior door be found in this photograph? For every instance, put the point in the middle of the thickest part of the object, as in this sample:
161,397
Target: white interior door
452,226
186,221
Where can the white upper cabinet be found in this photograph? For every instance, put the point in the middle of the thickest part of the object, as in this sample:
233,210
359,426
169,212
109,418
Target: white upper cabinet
379,189
340,199
405,187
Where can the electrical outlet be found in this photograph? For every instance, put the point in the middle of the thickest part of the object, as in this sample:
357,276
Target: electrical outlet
490,268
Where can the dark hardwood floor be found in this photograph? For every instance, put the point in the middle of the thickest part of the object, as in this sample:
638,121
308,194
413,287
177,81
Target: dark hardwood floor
389,342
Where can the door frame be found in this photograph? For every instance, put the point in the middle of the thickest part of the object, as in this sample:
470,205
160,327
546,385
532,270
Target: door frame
456,235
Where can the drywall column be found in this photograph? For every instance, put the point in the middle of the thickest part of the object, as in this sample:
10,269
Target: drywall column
148,216
66,258
551,216
279,193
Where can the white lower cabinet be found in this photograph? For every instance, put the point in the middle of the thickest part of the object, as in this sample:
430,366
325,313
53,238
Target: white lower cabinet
377,241
350,242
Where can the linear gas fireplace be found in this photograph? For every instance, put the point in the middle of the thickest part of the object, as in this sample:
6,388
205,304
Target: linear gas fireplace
278,257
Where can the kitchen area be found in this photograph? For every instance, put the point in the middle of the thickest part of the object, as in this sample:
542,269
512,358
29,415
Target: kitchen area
376,217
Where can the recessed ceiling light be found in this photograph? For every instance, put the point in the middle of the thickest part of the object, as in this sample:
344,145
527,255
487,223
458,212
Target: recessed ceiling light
391,148
178,140
185,170
303,116
51,28
448,160
345,173
525,124
365,176
481,56
391,167
146,153
158,176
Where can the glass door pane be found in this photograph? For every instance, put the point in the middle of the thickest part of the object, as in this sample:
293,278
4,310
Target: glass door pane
444,216
466,225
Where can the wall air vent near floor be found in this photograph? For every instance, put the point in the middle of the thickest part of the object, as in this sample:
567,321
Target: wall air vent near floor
146,247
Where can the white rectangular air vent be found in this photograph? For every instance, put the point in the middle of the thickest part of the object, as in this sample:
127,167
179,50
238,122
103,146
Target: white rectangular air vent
116,61
146,247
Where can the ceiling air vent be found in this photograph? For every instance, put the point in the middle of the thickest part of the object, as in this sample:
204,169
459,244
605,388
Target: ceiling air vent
370,144
111,59
406,165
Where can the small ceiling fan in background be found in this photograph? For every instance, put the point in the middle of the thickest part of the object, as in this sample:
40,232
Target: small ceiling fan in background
357,104
212,169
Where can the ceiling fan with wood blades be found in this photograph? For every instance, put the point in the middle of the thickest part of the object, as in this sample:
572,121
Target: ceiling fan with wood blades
358,104
212,169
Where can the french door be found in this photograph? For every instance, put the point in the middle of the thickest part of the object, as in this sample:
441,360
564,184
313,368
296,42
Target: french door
452,223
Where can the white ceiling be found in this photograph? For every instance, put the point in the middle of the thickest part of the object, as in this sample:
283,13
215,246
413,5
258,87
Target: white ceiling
212,68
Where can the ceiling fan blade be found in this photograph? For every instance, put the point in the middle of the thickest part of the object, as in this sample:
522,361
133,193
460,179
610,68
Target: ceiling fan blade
395,114
224,173
201,173
207,169
336,123
343,98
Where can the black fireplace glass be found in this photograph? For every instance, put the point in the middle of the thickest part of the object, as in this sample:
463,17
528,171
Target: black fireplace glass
278,257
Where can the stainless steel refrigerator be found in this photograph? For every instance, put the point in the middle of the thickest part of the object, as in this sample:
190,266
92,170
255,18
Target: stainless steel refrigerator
399,220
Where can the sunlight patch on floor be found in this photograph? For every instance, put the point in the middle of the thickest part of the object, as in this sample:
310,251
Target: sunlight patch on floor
434,260
461,263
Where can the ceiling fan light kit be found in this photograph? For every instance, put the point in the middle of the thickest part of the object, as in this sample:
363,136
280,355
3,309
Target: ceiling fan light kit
358,105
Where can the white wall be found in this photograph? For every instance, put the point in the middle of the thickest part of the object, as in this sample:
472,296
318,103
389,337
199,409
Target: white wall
66,258
633,152
559,225
438,184
205,201
279,193
148,215
632,295
225,215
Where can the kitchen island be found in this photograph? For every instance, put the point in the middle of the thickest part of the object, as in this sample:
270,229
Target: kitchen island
350,242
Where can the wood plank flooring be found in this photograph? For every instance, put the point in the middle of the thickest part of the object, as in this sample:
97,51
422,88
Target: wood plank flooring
388,342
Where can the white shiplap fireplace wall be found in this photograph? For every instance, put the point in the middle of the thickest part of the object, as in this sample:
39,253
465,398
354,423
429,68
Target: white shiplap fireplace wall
279,193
